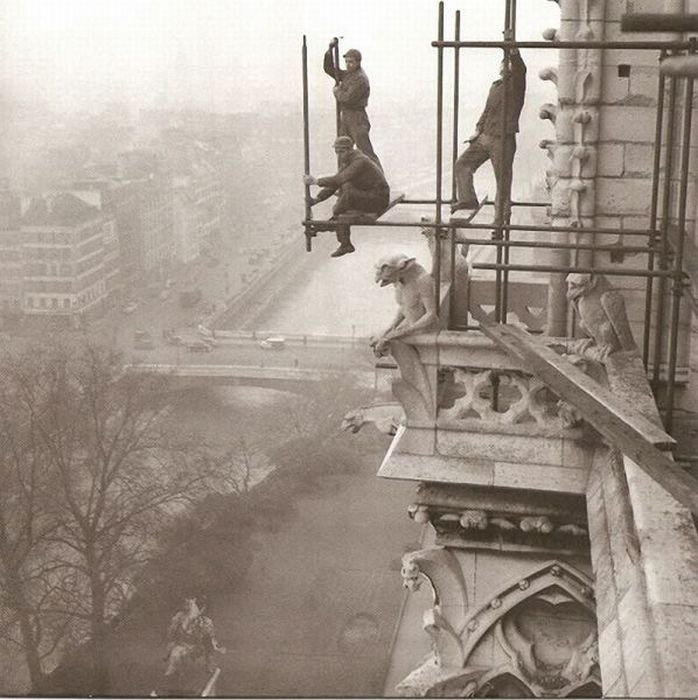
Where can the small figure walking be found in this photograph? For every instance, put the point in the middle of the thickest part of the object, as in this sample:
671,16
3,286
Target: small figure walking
351,92
360,186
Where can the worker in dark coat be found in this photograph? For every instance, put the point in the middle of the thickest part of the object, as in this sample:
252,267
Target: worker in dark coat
493,140
359,184
352,93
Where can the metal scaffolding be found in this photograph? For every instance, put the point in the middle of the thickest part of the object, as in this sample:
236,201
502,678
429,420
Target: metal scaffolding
664,260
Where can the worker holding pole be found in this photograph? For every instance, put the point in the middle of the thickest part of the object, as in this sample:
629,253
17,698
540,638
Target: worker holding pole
351,91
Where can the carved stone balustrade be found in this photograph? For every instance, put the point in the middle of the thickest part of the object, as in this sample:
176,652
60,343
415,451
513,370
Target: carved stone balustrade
475,416
526,302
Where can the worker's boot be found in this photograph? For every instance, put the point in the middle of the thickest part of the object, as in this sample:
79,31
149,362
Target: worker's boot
345,246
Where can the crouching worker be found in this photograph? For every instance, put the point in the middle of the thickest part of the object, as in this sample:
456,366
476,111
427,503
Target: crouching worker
360,186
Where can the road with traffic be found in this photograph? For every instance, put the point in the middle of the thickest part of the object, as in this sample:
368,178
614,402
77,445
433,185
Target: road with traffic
299,352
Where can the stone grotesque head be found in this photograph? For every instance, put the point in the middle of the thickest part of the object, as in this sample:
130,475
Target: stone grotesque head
390,268
579,284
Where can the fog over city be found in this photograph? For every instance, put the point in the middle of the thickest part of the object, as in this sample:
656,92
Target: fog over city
152,258
235,55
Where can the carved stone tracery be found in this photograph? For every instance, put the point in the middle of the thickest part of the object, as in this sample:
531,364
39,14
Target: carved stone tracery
543,625
521,398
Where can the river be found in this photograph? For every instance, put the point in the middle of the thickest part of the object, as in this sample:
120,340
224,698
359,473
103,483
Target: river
341,297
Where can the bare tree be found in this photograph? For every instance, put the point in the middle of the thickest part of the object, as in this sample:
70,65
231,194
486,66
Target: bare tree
236,466
318,409
25,530
117,476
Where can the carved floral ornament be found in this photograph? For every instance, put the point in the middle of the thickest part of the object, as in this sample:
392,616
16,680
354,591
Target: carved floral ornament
542,624
480,520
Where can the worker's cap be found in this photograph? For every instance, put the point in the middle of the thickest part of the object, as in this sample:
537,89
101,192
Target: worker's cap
353,53
344,142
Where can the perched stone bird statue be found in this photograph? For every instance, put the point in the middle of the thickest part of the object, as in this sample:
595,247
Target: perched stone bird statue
602,316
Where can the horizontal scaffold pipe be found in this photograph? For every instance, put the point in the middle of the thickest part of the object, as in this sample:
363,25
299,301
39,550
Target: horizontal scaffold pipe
524,228
611,45
486,203
614,247
659,22
590,270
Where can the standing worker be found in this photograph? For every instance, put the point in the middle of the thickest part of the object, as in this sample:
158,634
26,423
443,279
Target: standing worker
351,92
493,142
360,186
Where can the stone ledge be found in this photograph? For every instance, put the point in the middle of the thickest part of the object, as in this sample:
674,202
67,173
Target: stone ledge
482,472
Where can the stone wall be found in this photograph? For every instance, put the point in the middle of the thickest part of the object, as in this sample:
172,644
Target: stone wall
602,157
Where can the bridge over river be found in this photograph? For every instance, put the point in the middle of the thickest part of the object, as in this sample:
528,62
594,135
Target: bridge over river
238,358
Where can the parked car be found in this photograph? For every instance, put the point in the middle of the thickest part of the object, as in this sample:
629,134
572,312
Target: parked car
275,342
169,283
175,340
131,307
199,346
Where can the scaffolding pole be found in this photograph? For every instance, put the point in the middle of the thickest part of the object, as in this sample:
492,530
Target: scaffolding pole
647,334
436,262
677,282
306,149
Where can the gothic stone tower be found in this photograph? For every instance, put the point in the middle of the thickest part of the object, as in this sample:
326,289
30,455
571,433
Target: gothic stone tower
552,564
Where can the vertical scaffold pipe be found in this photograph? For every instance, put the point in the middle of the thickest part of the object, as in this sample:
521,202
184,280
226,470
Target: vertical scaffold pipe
659,126
306,146
664,243
510,32
436,262
677,289
454,291
335,60
456,106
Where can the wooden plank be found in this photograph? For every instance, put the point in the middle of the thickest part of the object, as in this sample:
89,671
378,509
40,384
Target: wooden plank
361,218
593,400
619,423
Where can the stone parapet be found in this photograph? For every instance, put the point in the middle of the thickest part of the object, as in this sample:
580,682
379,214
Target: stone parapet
492,423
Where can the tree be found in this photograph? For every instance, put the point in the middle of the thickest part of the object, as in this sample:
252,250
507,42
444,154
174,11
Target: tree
233,468
317,410
25,529
118,474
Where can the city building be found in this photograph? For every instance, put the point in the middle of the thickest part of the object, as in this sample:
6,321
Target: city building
187,228
11,264
147,250
195,166
68,256
119,201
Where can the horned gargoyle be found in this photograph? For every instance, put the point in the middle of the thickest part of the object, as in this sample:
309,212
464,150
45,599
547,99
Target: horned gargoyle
415,296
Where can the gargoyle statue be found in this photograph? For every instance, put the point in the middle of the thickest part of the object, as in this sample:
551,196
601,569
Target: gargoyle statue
602,315
385,416
415,296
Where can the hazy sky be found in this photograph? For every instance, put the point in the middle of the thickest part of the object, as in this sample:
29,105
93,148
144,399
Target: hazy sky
234,54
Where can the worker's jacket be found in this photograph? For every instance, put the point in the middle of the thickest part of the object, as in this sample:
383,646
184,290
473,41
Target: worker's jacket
360,171
353,90
490,123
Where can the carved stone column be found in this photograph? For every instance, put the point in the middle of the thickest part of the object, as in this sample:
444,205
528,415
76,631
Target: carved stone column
573,153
